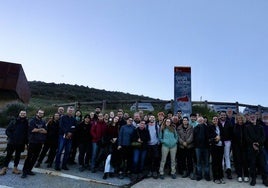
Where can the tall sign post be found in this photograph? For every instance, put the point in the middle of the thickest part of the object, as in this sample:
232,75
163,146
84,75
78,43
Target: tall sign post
182,90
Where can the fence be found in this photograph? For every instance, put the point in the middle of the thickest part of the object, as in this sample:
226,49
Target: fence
103,104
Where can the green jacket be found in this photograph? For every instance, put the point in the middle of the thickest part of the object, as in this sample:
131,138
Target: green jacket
168,138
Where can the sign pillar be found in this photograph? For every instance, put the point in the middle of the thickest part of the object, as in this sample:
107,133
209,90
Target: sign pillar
182,90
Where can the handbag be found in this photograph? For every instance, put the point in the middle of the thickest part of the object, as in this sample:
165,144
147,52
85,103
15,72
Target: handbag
136,144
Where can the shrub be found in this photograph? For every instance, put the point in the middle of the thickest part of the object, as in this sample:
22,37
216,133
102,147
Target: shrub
10,112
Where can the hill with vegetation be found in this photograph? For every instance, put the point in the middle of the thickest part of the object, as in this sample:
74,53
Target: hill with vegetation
67,92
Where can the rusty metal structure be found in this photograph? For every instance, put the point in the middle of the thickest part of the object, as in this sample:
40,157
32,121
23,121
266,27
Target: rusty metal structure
13,82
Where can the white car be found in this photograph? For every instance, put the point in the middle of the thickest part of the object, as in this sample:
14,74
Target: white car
168,106
142,106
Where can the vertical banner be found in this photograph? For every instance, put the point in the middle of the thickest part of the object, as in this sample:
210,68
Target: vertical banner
182,90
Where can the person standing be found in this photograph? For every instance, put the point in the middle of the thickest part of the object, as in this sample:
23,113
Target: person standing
84,142
124,145
67,126
186,147
228,135
169,138
201,149
240,149
37,135
16,132
78,118
51,143
216,142
98,131
140,135
153,148
255,139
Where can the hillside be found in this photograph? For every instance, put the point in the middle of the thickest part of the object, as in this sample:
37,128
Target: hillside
59,93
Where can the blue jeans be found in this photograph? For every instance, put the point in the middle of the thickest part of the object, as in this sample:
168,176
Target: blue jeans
202,156
95,149
138,160
65,144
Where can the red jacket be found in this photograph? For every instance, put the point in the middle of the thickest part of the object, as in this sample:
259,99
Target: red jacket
98,130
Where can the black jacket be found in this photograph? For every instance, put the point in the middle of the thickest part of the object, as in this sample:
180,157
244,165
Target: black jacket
213,134
83,133
239,136
255,133
227,130
201,137
143,134
17,131
35,137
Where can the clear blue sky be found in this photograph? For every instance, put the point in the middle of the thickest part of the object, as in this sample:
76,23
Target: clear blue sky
133,45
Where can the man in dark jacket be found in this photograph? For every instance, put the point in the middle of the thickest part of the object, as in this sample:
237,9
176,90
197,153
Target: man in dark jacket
228,135
16,131
255,139
37,137
67,126
201,149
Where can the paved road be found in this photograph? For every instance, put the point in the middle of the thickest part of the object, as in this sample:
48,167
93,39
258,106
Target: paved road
188,183
49,178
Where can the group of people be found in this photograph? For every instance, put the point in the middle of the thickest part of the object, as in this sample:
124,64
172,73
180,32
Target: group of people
142,145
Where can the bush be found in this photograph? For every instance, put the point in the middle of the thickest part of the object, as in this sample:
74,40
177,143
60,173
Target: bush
10,112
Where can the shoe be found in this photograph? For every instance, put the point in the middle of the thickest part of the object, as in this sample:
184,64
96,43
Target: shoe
253,182
217,181
65,168
128,174
105,175
192,176
198,178
173,176
111,174
57,168
162,176
3,171
16,171
185,174
239,179
133,177
207,178
121,175
24,175
222,181
229,173
30,173
150,174
155,175
82,168
37,165
265,182
140,176
246,179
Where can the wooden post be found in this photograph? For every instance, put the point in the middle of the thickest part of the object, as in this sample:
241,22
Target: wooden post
76,106
103,105
137,106
237,107
259,110
206,104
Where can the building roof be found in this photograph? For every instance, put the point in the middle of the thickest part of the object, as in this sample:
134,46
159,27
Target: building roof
13,80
